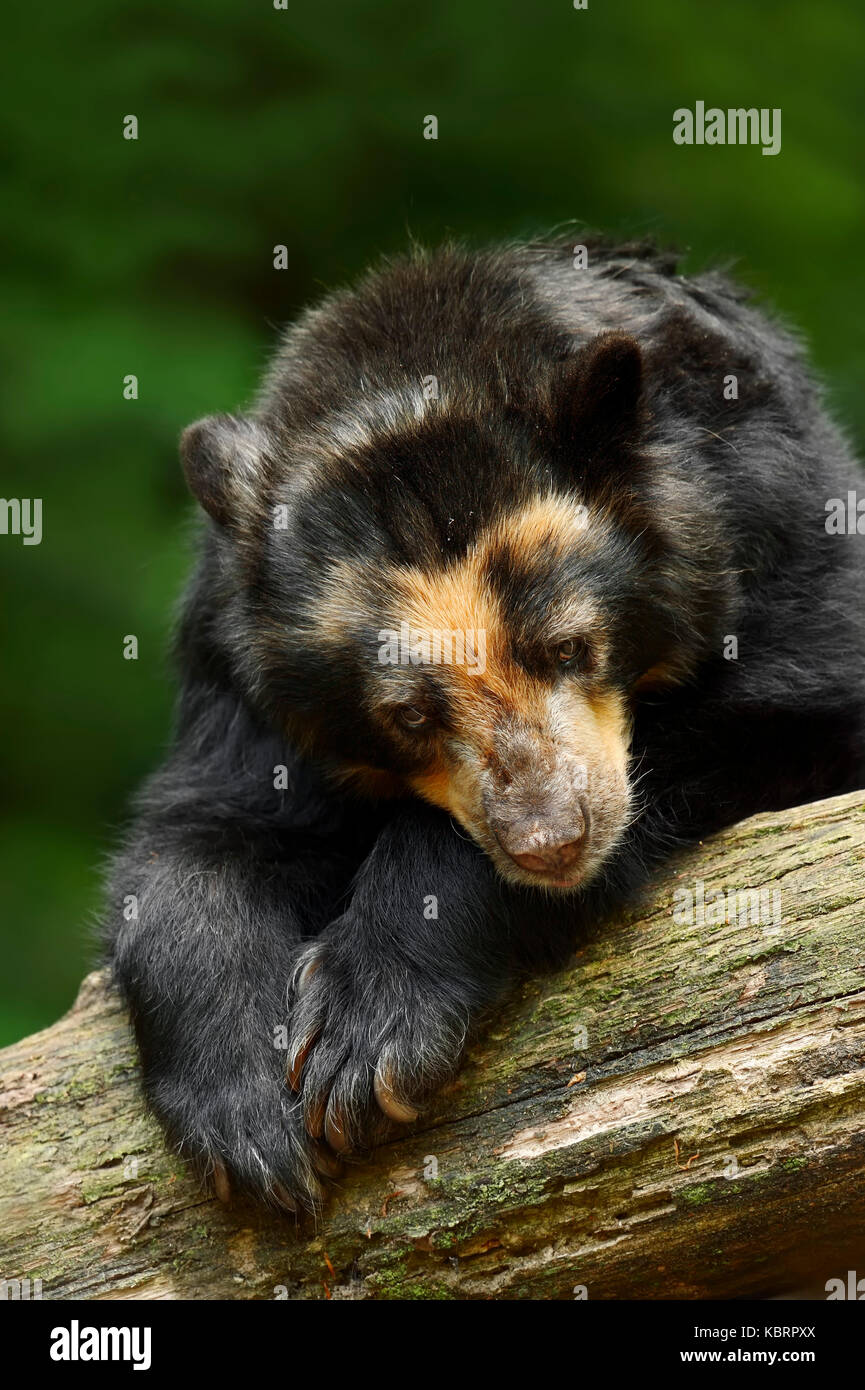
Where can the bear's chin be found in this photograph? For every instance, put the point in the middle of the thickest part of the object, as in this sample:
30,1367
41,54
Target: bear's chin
546,882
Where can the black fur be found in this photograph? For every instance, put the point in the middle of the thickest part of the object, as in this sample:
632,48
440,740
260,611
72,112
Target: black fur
717,513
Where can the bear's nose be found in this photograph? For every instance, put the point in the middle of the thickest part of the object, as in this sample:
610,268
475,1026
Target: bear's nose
550,856
544,847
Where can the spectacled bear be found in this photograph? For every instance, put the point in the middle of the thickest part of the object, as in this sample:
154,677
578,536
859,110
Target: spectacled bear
515,579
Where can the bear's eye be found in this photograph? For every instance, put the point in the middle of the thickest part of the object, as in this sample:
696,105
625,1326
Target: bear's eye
411,717
575,653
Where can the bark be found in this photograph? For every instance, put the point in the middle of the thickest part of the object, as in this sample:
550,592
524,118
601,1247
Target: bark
678,1114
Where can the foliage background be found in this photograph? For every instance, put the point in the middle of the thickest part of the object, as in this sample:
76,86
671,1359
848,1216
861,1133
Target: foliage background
303,126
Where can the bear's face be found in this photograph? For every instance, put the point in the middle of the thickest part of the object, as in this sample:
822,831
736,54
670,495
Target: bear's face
486,684
443,605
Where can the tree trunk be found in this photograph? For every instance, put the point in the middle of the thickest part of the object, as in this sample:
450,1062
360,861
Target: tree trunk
678,1114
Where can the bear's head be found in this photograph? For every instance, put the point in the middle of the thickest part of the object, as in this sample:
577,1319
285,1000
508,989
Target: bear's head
439,595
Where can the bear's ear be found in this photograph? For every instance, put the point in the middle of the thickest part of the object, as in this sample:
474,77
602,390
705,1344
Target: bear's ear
222,459
600,400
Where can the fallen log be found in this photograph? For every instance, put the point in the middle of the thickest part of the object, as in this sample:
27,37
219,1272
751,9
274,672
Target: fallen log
678,1114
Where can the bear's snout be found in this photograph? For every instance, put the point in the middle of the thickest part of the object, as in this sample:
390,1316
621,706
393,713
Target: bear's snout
544,846
533,806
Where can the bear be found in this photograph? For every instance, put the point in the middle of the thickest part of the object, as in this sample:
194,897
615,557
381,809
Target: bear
513,581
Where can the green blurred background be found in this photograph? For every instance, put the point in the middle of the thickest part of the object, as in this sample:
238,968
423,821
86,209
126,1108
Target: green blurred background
303,126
